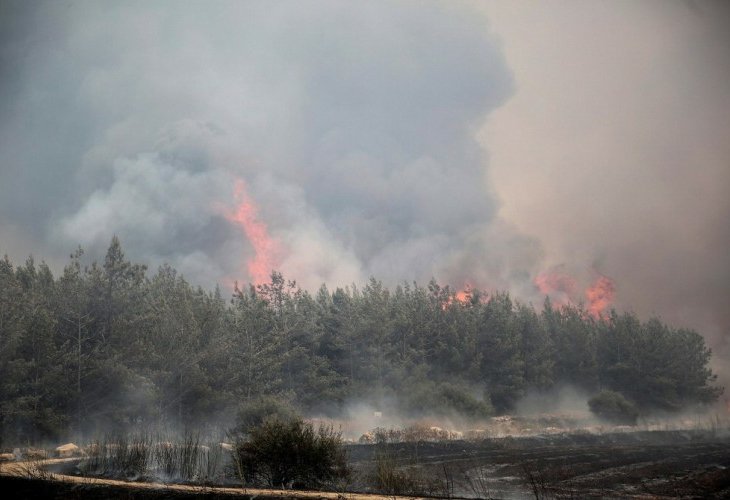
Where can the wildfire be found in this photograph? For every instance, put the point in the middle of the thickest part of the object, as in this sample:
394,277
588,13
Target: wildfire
562,290
464,295
559,286
600,295
460,297
265,248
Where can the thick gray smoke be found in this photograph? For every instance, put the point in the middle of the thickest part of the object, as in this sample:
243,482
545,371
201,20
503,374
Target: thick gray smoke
614,151
353,126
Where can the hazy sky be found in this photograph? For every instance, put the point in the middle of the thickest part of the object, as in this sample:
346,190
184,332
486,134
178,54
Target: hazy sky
479,143
614,150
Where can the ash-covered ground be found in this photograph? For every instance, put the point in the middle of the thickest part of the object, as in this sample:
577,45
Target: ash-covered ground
639,464
510,457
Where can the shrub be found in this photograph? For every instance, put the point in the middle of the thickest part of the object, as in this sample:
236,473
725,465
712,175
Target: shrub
291,454
465,403
428,397
389,478
613,407
254,413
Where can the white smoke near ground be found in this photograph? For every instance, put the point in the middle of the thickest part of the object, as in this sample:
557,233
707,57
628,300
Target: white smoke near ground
560,410
561,400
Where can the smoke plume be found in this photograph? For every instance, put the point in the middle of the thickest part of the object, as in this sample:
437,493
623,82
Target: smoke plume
614,151
483,144
352,128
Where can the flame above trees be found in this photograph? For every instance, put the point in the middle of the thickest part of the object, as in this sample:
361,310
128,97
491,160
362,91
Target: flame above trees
265,248
562,290
600,295
559,286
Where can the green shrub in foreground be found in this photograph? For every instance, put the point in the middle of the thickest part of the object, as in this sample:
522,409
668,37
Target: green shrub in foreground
291,453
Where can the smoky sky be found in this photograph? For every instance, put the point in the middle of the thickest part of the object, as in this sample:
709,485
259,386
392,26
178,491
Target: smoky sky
353,127
614,150
477,143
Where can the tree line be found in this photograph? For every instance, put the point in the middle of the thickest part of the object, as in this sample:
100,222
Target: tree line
111,345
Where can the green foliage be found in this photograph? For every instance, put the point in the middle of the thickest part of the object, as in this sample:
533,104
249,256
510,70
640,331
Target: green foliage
292,453
656,366
502,365
463,402
444,399
111,344
613,407
255,413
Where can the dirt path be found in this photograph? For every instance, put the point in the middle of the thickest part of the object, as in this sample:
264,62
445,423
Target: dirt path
37,470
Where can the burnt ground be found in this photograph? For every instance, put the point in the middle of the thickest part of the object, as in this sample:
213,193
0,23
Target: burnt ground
34,488
687,464
657,464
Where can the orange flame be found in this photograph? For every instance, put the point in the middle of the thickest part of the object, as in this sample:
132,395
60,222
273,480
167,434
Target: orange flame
264,247
460,297
600,295
558,286
561,289
463,296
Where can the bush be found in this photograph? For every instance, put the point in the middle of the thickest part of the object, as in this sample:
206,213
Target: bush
291,454
257,411
613,407
465,403
446,399
391,479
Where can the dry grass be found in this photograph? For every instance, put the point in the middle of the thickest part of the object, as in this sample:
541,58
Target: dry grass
142,458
